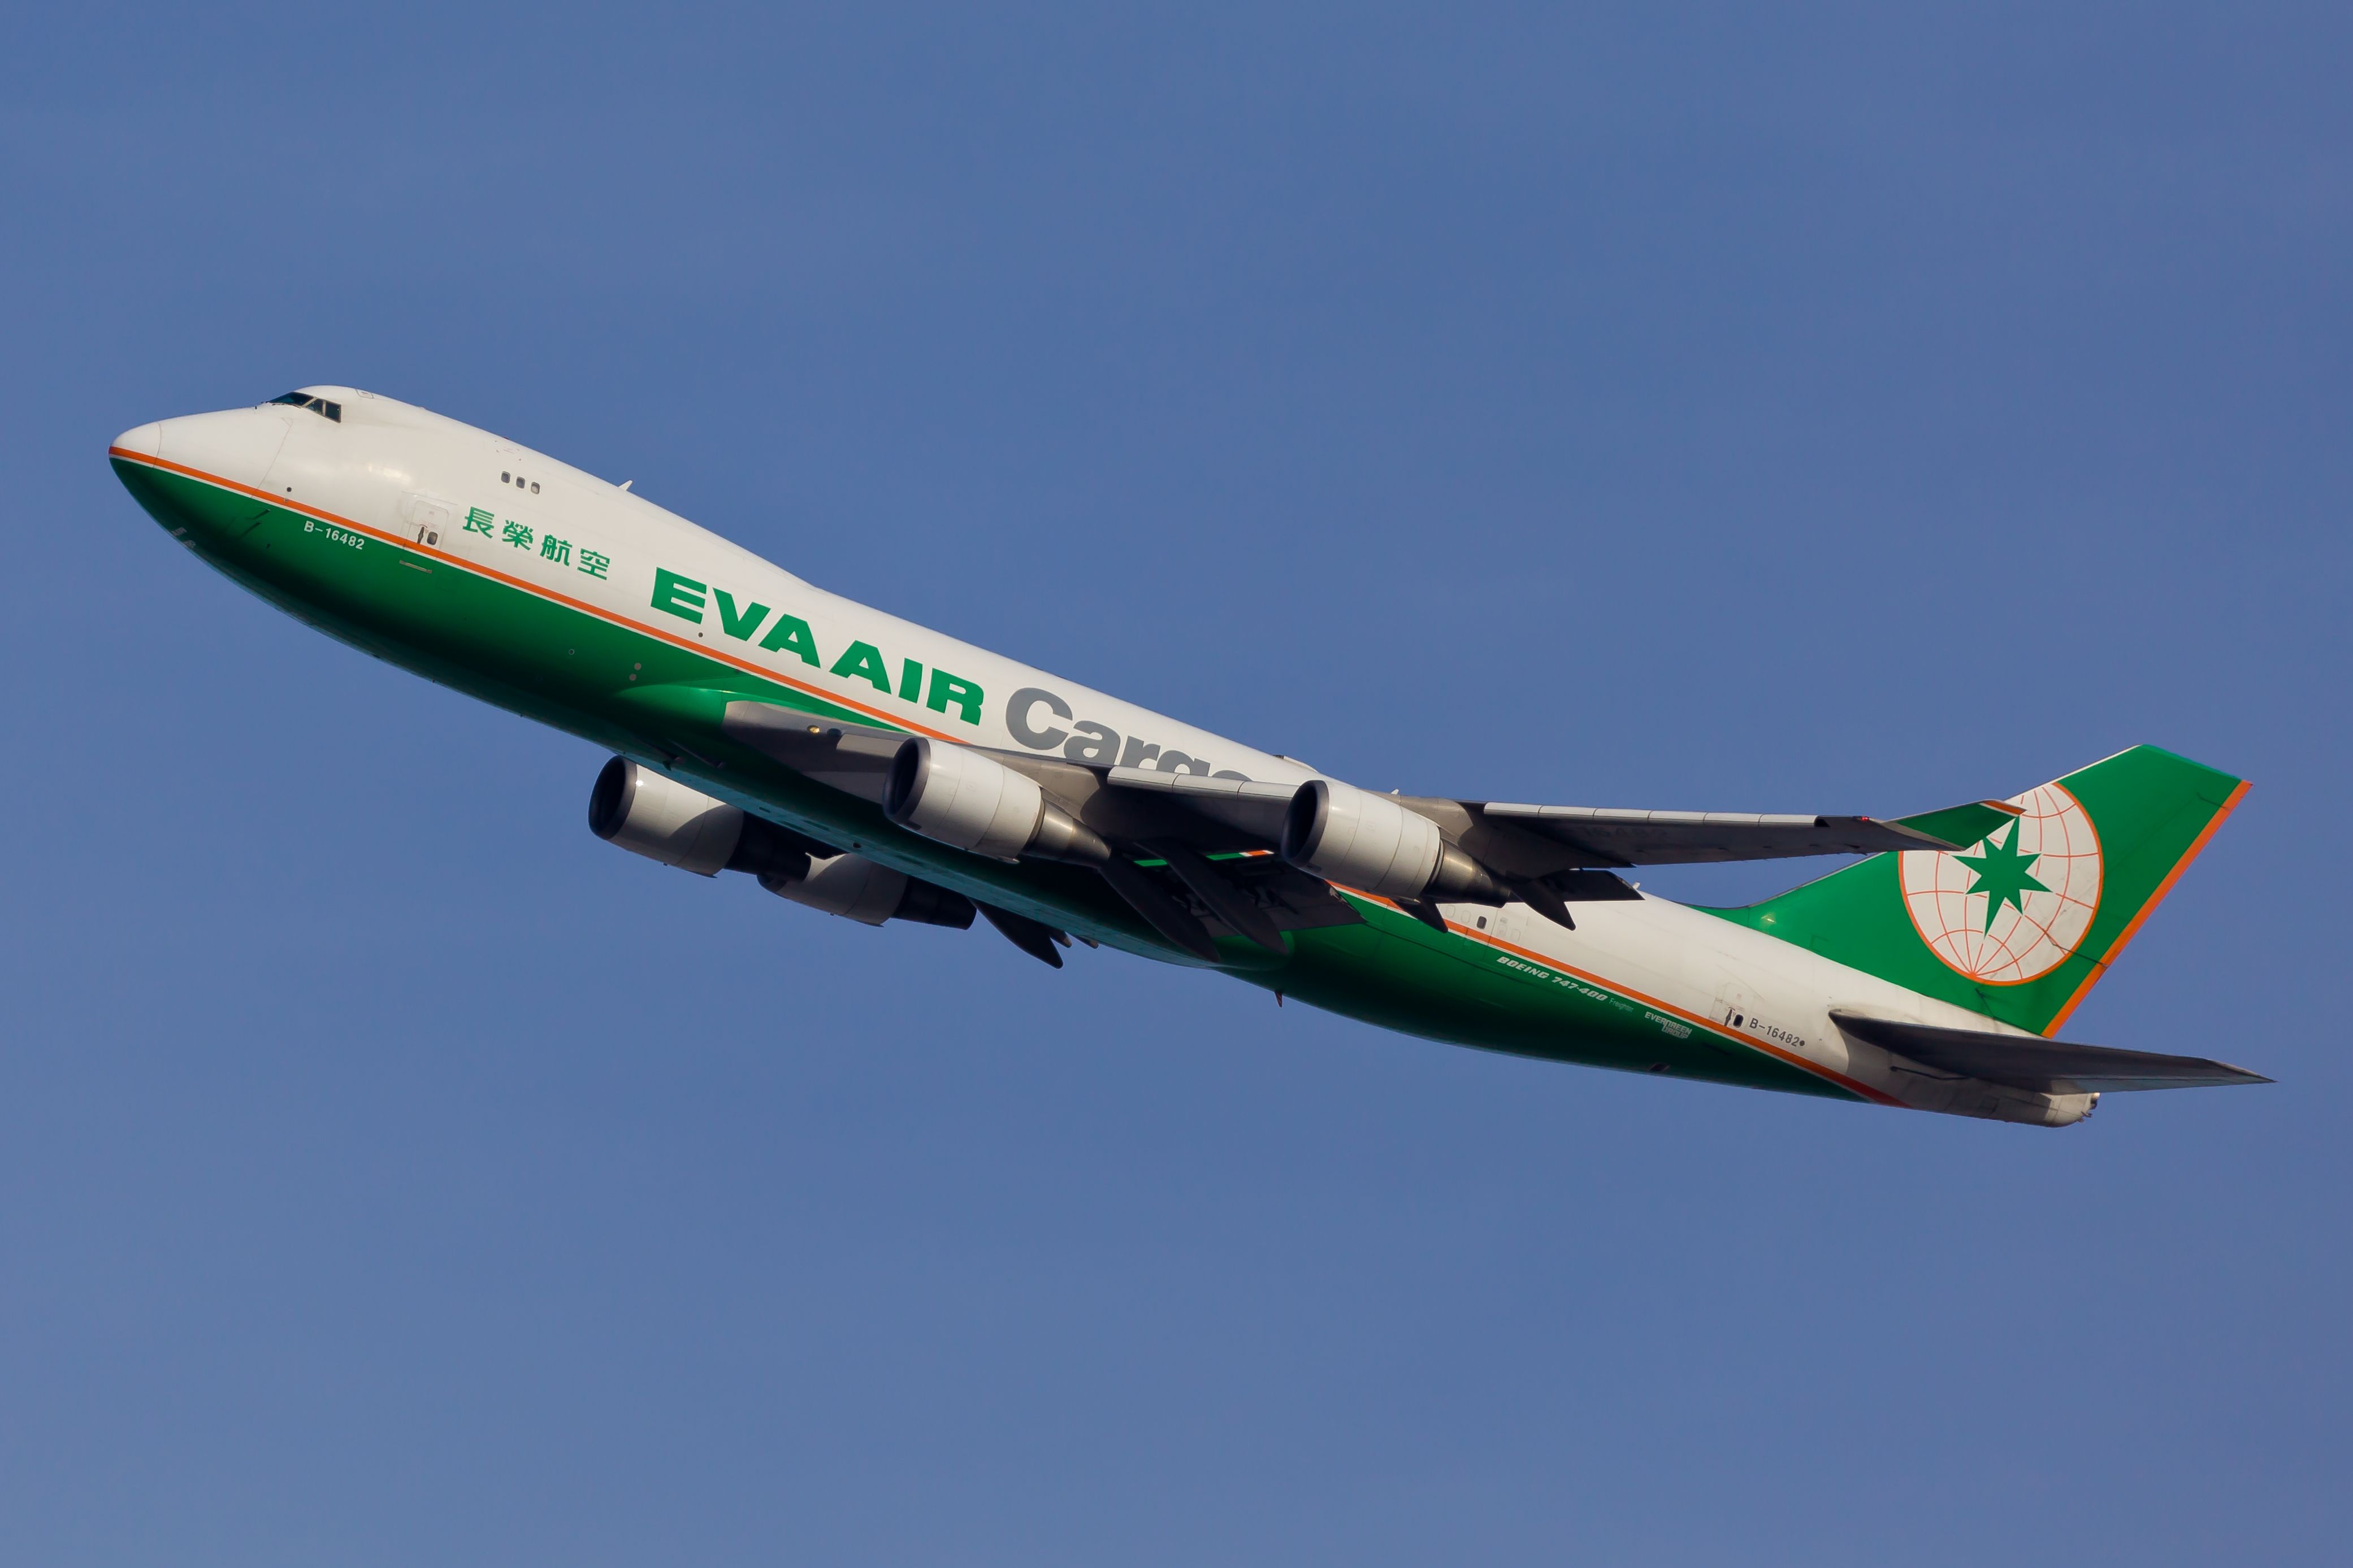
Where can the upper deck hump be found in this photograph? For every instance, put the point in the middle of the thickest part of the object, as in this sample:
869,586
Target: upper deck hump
453,441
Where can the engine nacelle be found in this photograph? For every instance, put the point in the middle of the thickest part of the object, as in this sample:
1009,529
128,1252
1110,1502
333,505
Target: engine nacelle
858,888
965,798
1369,841
653,814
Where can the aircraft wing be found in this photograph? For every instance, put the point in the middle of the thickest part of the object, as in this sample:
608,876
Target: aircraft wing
1251,810
2049,1067
1543,840
1227,814
1167,822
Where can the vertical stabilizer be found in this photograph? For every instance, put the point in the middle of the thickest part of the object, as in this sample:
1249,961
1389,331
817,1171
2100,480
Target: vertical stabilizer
2022,925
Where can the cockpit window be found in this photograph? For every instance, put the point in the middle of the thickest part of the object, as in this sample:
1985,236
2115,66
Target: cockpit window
334,411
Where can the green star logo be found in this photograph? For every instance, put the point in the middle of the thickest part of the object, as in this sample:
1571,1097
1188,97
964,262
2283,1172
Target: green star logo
2001,875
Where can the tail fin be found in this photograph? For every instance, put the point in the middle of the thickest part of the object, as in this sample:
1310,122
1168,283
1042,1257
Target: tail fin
2020,925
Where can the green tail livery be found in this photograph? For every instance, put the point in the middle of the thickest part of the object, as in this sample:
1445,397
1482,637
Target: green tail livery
876,769
2022,924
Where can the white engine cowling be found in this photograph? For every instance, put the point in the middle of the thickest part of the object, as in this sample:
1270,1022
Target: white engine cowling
1369,841
654,816
965,798
850,886
858,888
1362,840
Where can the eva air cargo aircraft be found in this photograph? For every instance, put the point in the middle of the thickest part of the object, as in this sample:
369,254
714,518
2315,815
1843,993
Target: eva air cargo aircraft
868,767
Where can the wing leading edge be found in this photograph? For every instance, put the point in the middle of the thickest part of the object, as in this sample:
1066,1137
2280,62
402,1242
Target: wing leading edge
1610,838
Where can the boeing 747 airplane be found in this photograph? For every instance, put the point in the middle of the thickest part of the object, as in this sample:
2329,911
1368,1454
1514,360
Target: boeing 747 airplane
870,768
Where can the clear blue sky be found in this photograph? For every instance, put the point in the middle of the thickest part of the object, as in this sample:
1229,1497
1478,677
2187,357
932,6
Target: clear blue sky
1855,409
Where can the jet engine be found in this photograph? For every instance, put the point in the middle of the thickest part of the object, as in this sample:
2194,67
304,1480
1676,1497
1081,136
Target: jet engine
653,814
968,799
1369,841
860,889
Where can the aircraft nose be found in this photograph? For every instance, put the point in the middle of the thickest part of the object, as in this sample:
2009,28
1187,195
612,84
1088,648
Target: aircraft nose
236,444
144,440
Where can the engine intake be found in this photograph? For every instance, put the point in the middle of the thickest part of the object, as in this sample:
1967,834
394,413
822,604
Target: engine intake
1369,841
962,797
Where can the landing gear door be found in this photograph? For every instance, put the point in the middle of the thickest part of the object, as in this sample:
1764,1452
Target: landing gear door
427,519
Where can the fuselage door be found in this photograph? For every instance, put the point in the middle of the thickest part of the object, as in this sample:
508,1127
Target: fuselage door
428,517
1735,1006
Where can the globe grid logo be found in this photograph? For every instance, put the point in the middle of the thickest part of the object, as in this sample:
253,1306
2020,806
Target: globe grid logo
2015,906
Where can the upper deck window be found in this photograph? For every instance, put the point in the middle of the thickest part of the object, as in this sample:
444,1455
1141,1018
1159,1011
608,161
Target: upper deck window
334,411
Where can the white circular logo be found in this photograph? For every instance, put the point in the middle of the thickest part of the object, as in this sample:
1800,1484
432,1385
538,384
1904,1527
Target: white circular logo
2012,908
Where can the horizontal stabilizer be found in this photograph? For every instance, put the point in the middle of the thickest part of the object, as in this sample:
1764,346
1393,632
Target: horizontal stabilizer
2049,1066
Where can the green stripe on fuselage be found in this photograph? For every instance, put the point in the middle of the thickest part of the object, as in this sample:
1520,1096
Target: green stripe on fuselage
1398,974
573,671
